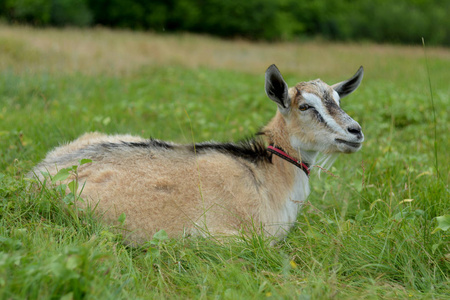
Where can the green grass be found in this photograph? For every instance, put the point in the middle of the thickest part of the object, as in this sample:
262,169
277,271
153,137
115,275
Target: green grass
369,232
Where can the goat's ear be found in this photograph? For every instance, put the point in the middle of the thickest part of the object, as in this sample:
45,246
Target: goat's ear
347,87
276,88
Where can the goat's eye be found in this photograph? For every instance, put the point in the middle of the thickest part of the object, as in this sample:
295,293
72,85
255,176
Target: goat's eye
304,107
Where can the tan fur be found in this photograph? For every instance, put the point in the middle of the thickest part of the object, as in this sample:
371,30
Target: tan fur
184,192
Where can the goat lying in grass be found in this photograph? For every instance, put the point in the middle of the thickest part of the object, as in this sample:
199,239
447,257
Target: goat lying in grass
215,187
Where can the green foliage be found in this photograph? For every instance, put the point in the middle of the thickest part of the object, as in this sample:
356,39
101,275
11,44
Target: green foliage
443,223
402,21
70,12
47,12
37,12
65,173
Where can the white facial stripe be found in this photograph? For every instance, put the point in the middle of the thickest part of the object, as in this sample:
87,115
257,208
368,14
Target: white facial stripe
316,102
336,97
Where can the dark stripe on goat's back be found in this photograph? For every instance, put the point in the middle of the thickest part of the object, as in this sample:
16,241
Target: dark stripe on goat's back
251,150
151,144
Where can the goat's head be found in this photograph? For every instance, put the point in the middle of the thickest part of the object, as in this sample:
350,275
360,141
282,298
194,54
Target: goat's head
314,118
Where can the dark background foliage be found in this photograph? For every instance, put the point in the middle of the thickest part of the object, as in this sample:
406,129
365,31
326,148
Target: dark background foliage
400,21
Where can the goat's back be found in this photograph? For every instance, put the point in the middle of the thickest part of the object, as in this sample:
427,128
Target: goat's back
161,185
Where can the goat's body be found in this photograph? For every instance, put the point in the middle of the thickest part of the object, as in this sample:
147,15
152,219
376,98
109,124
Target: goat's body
181,189
215,188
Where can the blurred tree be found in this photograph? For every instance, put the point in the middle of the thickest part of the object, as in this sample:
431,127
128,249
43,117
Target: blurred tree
70,12
35,12
48,12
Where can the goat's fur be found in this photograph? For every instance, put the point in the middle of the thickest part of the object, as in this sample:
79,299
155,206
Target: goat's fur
212,187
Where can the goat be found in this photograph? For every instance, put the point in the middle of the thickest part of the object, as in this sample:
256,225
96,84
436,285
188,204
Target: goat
219,188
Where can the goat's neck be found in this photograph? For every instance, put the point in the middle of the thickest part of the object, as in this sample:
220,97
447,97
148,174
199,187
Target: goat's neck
288,184
276,132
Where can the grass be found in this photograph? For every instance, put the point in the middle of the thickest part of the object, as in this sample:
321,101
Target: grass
368,232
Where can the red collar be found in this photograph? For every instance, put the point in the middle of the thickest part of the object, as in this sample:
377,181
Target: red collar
279,152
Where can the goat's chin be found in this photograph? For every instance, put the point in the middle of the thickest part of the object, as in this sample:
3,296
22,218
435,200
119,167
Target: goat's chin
343,148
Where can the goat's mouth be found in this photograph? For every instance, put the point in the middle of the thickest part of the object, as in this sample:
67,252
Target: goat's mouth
350,144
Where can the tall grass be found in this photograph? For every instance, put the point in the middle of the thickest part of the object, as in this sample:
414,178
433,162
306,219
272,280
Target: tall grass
433,109
370,231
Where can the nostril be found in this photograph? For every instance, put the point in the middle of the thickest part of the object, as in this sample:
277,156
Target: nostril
354,130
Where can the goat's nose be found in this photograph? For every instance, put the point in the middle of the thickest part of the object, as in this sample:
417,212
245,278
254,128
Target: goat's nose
356,130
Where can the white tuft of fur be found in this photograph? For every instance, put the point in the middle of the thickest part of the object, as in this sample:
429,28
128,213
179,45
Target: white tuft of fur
326,161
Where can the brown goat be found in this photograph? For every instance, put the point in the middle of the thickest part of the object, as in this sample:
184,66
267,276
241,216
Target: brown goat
216,188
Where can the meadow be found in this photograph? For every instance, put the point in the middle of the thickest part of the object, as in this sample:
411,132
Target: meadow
376,226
